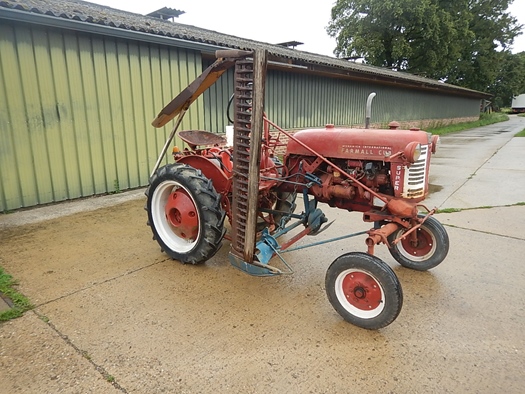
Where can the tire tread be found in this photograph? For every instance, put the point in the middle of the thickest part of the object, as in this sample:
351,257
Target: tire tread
209,205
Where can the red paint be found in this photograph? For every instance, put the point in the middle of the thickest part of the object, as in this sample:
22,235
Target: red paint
363,144
362,291
182,215
419,243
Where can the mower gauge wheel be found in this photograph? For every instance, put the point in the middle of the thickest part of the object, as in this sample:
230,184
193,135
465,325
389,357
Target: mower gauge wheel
185,213
423,250
364,290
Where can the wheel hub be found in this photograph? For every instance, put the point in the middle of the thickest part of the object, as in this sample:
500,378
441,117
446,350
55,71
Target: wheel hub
362,291
181,213
420,244
359,292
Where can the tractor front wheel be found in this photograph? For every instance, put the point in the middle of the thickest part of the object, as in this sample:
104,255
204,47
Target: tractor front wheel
364,290
185,214
423,250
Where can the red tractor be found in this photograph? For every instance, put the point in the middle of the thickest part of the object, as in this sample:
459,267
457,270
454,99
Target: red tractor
381,173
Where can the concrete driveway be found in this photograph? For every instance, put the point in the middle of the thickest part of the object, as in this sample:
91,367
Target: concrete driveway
114,314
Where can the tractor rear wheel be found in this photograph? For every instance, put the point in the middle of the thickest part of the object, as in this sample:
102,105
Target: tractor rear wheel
364,290
185,214
428,249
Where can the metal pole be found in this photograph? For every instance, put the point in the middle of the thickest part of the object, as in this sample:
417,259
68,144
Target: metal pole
168,142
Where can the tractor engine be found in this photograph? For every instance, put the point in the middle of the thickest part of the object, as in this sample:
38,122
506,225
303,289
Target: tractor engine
391,162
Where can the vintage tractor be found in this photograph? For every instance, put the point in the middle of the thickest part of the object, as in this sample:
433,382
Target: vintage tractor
381,173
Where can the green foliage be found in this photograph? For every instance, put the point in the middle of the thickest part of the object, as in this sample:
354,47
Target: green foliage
520,134
462,42
510,79
116,187
449,210
454,210
410,35
20,302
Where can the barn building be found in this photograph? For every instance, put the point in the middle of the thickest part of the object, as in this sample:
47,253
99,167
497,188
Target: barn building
80,84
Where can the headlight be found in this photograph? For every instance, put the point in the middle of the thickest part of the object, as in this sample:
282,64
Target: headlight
413,151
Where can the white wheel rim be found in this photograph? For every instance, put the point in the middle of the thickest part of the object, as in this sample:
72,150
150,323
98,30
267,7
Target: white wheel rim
343,297
162,225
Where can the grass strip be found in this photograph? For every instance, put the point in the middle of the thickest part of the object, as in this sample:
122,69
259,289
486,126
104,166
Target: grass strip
484,120
20,303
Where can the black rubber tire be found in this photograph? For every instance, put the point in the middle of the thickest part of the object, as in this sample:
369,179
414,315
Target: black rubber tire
432,248
364,290
285,203
197,190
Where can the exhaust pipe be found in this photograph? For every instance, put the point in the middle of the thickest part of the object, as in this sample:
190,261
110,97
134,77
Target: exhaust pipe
369,109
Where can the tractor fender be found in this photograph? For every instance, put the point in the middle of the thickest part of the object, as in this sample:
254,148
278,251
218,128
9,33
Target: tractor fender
211,168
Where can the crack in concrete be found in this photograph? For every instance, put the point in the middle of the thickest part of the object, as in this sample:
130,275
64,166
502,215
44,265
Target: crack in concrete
102,282
84,354
484,232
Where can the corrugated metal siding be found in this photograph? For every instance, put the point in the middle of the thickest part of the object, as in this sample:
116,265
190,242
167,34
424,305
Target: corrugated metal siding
403,104
75,112
216,102
300,100
296,101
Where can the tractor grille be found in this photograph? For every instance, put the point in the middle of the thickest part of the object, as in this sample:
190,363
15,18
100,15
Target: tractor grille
416,176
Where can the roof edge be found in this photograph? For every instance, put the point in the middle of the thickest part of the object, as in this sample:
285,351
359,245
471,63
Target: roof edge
316,63
85,27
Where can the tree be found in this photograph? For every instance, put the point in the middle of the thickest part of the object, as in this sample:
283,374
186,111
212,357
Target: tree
510,81
406,35
482,58
462,42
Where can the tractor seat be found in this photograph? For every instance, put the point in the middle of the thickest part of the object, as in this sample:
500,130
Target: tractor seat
202,138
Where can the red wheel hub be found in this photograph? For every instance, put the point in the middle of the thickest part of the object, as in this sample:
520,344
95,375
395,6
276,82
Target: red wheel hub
419,243
362,291
181,213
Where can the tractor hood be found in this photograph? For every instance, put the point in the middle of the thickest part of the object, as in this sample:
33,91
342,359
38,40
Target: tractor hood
360,144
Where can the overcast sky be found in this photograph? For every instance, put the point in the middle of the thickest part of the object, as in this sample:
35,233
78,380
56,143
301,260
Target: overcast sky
271,21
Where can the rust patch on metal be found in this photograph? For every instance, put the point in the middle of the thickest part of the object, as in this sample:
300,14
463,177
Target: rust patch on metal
201,138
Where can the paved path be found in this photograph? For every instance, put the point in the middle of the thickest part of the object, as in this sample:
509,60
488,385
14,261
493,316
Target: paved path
480,167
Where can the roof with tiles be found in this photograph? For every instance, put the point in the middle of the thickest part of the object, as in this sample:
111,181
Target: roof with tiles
86,12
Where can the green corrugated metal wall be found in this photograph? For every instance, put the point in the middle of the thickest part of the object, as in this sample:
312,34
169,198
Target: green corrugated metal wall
75,112
216,102
296,100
